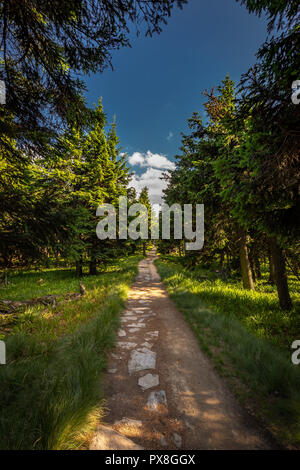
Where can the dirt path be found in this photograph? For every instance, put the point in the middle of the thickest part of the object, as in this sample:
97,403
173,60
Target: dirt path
187,405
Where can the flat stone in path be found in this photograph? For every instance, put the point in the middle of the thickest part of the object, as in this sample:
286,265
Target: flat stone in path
133,330
121,333
108,439
147,345
126,344
140,309
144,350
129,422
148,381
141,361
155,399
127,319
115,356
177,440
152,334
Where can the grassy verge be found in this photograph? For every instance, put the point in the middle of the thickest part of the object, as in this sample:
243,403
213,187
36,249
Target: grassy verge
51,385
248,338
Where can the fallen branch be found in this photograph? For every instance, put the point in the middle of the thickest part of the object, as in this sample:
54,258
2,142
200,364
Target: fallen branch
8,307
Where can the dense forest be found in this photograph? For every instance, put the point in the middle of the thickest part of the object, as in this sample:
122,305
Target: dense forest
59,160
62,288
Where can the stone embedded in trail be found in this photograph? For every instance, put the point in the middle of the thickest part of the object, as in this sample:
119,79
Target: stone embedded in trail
133,330
126,344
148,381
163,441
189,425
177,440
122,333
153,334
141,361
147,345
129,422
108,439
155,399
115,356
137,325
144,350
128,319
112,371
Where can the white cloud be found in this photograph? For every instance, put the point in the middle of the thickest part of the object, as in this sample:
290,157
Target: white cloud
159,161
156,164
152,179
153,160
136,159
170,136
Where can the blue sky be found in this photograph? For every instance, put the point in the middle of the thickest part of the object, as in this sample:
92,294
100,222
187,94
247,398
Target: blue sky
157,84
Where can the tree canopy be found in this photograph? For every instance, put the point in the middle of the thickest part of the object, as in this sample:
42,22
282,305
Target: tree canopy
45,45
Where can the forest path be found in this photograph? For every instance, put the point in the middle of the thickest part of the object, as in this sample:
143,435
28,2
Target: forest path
162,391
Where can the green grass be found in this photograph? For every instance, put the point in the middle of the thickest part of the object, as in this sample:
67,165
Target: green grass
51,385
249,339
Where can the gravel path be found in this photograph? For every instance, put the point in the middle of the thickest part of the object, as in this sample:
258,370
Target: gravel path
162,391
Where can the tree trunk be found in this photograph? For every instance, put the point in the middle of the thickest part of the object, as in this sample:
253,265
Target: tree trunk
280,275
93,267
271,269
245,264
252,267
257,265
222,259
56,260
144,248
79,268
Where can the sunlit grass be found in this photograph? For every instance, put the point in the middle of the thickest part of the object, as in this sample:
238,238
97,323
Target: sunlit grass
258,310
23,284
